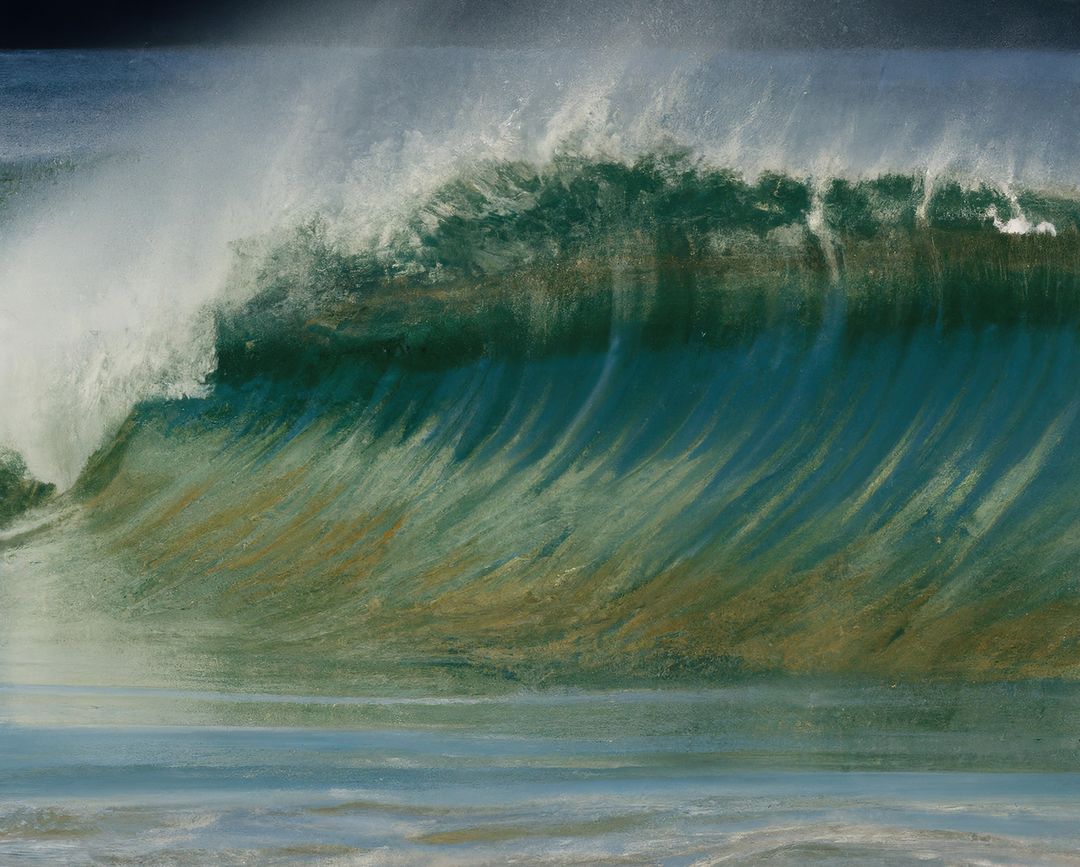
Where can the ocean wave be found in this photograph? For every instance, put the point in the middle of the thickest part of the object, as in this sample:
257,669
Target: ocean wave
108,270
518,259
658,390
626,445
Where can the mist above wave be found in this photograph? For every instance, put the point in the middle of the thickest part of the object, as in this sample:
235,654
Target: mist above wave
108,272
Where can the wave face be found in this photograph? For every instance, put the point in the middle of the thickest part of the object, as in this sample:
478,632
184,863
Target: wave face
590,404
652,418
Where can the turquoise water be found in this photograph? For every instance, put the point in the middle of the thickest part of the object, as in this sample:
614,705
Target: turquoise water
403,405
788,773
738,776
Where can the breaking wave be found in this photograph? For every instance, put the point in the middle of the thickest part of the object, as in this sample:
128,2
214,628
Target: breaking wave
584,394
650,415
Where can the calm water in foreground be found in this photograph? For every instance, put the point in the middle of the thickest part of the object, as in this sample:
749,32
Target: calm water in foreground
779,774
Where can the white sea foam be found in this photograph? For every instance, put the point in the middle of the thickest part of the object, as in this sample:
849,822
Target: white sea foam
106,277
1020,225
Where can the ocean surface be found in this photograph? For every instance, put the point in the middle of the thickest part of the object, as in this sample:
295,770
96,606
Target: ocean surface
734,776
475,456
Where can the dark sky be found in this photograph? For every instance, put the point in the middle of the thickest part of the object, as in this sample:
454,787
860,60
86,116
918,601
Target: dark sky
738,23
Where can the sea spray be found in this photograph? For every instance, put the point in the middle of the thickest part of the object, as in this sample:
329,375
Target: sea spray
110,276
